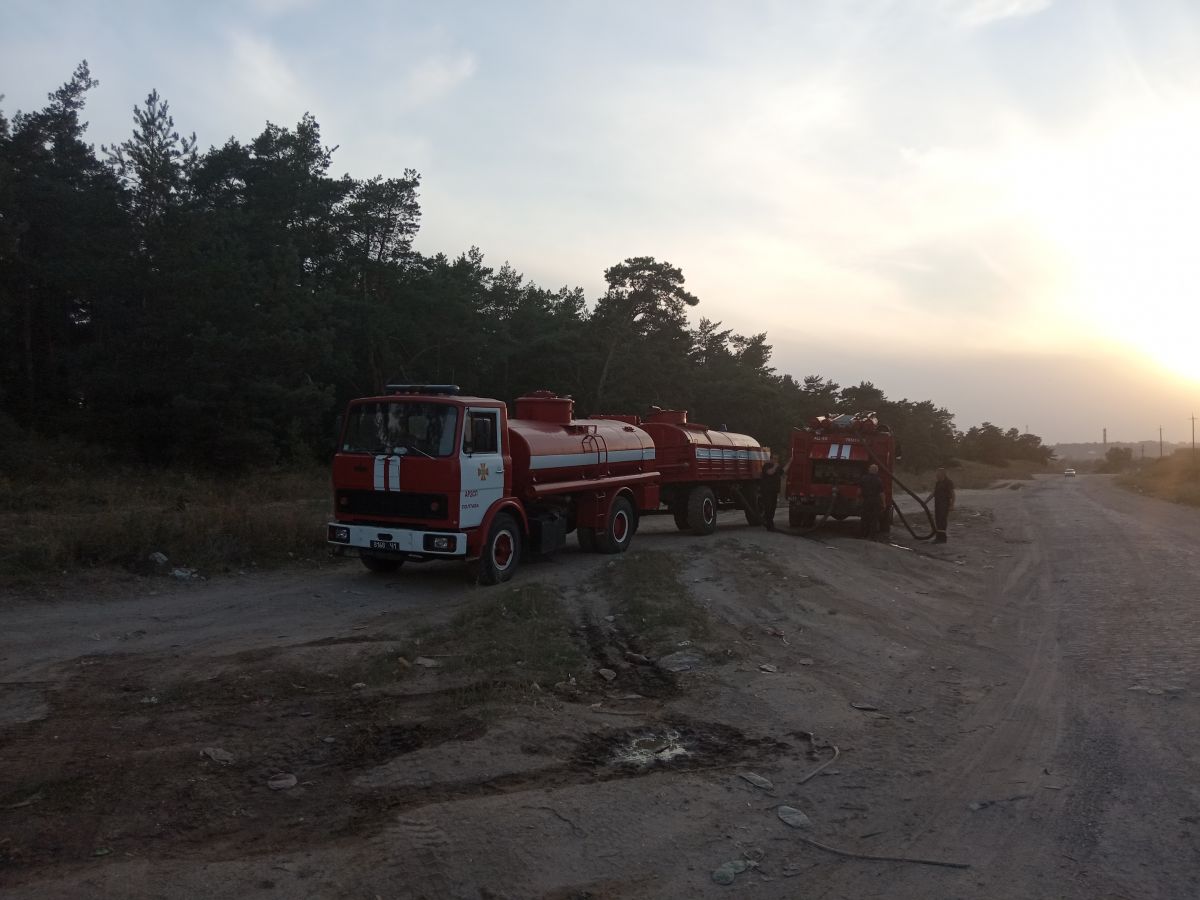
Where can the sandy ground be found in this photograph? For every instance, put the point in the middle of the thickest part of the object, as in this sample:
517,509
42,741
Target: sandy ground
1021,701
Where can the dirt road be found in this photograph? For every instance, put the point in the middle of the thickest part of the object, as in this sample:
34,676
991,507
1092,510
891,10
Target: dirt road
1022,701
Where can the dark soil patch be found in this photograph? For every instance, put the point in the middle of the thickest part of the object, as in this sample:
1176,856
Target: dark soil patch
117,767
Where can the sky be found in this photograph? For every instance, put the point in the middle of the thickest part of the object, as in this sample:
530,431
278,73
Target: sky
991,204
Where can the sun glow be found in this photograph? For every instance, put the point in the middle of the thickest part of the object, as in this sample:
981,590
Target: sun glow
1123,208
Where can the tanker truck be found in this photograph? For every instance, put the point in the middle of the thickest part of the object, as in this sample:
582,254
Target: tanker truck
703,469
424,473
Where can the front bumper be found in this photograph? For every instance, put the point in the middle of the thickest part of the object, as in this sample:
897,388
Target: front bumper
396,541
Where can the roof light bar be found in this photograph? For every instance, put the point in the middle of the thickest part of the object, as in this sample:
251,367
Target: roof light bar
447,389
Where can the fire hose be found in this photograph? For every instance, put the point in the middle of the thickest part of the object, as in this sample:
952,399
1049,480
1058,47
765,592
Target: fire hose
924,505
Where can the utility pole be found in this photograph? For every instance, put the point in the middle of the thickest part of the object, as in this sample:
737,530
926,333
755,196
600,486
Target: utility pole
1105,438
1193,439
1160,442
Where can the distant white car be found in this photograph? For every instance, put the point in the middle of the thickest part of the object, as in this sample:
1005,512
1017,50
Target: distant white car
1070,473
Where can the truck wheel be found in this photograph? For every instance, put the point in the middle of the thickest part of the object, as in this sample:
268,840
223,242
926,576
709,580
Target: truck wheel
618,530
681,518
501,554
381,566
799,517
587,539
702,510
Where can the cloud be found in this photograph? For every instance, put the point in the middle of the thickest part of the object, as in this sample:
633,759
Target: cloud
261,71
279,7
980,13
434,77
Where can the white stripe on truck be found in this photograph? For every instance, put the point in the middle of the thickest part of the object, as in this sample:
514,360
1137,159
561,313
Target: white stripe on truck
562,460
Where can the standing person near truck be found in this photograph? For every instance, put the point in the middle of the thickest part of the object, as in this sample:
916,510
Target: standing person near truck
943,498
872,500
768,489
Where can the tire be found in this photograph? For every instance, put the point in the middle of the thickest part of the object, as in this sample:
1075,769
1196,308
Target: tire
799,517
618,530
681,518
381,566
702,510
586,538
501,553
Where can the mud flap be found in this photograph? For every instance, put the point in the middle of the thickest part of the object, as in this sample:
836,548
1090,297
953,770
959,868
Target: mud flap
547,533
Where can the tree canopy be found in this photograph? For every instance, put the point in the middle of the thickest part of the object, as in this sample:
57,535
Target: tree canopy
218,307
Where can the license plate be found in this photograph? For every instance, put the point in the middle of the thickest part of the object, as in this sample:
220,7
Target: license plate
386,545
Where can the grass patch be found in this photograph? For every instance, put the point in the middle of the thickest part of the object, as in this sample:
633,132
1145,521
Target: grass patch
504,642
969,475
524,634
650,597
80,520
1175,478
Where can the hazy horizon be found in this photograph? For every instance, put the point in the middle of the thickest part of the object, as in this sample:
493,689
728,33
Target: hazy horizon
985,203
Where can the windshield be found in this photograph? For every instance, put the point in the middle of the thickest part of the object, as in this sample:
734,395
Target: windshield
424,429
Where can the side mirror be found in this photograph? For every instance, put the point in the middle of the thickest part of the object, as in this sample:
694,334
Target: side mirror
337,432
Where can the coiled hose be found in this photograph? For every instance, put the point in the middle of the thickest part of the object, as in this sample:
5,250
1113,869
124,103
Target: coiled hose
924,505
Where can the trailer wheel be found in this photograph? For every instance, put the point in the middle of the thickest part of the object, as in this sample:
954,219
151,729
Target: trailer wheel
702,510
587,538
618,530
380,565
502,553
753,499
681,518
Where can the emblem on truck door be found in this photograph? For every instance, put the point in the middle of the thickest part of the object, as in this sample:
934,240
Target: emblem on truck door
482,471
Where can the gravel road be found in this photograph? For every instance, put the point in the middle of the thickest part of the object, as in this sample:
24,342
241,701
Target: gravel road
1034,714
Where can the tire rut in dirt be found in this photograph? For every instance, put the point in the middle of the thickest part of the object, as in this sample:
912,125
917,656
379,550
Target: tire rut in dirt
610,646
374,743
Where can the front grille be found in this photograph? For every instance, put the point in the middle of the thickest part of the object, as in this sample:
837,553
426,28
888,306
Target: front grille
393,504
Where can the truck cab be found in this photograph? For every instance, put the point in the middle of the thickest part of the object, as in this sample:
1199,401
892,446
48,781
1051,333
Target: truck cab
416,474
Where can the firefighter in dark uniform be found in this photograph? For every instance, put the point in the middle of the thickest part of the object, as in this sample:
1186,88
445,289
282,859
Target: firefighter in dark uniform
768,489
871,486
943,498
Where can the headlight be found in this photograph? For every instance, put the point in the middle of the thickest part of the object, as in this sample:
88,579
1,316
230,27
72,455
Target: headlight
443,543
339,534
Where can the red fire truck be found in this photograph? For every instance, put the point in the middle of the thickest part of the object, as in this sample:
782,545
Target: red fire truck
424,473
829,459
703,469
